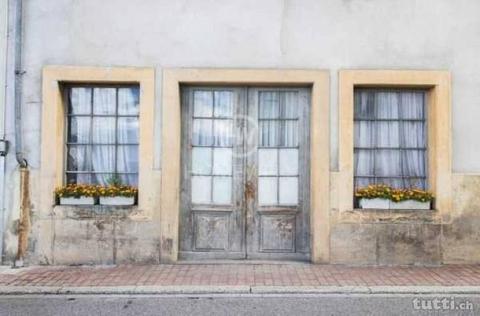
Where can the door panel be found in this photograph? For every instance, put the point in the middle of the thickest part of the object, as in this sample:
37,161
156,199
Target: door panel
277,215
212,213
244,173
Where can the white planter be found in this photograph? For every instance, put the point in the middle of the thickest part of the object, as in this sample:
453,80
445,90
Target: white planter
83,200
381,204
409,205
117,200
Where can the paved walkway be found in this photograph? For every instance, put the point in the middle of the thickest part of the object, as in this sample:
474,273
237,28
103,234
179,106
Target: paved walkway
245,274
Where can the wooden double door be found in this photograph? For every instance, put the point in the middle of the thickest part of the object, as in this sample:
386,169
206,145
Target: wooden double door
245,173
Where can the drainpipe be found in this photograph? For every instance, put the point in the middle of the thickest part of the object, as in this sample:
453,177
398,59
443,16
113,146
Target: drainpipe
24,219
3,142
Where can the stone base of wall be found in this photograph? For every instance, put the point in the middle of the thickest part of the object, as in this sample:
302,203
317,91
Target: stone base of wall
371,237
95,235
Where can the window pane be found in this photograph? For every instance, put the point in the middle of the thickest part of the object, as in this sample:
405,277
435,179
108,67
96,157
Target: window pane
223,104
364,162
414,134
414,163
78,178
413,106
387,134
365,133
201,189
269,106
127,158
103,158
387,163
128,101
267,162
103,130
78,158
78,129
364,104
129,179
222,161
202,103
102,178
202,132
201,160
267,190
288,162
222,133
104,100
288,190
127,130
289,104
289,134
80,101
222,190
387,104
268,133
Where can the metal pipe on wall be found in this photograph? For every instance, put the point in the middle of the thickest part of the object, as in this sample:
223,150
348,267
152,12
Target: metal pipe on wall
3,70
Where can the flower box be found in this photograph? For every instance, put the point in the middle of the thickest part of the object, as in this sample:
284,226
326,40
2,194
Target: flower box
409,205
385,204
381,204
83,200
117,200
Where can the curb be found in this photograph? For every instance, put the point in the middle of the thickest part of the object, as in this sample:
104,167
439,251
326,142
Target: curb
246,289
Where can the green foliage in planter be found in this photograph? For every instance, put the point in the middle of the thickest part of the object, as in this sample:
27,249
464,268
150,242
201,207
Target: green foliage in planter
77,190
382,191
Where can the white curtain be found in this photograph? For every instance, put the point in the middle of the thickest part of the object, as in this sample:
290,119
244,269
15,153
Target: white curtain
390,138
103,129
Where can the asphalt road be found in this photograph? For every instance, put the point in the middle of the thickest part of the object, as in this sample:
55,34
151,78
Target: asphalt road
291,305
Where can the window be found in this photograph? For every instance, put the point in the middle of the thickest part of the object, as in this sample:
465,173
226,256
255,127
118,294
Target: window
102,134
390,143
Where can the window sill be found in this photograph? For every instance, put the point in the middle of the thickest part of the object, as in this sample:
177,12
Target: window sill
387,216
96,211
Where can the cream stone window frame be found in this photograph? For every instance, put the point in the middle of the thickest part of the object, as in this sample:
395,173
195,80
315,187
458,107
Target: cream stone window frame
53,128
318,80
437,84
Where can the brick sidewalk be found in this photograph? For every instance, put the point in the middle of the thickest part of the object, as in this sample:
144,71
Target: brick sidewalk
243,274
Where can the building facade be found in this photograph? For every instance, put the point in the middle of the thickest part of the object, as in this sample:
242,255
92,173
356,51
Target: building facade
247,126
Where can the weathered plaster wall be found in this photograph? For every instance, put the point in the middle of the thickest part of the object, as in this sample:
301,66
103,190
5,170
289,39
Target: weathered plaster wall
327,34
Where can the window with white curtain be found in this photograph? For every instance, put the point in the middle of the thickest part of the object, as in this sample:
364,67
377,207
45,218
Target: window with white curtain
390,138
102,134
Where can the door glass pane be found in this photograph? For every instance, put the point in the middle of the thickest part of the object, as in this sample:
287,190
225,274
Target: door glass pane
267,190
202,103
288,190
201,160
288,162
289,134
223,132
267,162
268,105
222,161
223,103
268,133
104,100
202,132
222,190
201,189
